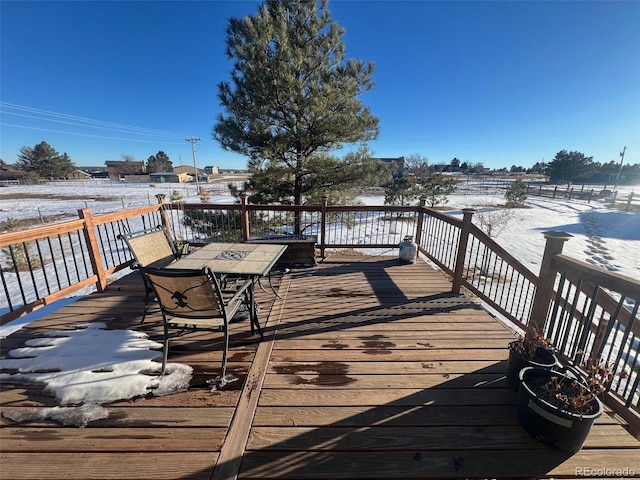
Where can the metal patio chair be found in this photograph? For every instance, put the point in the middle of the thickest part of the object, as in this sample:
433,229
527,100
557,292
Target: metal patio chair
150,248
193,300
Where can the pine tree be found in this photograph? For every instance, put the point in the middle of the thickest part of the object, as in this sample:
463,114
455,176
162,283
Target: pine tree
570,166
516,193
292,94
159,163
45,161
436,188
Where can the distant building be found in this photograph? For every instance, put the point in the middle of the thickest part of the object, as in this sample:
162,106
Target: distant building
185,169
211,170
119,169
79,175
169,177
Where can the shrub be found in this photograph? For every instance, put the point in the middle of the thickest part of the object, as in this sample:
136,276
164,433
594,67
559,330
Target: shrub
516,193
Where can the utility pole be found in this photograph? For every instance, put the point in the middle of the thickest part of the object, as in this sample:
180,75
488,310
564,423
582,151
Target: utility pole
620,169
192,140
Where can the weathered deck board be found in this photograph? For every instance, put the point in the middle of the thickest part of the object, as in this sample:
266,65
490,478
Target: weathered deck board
107,466
174,436
368,369
391,379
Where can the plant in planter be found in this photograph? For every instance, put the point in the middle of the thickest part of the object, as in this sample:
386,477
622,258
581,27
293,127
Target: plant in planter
558,407
182,247
531,350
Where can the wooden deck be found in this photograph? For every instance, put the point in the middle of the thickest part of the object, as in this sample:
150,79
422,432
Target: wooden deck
369,369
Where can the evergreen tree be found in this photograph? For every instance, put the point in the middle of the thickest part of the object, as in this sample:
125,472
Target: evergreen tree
159,163
436,187
340,179
45,161
402,191
516,193
570,166
292,94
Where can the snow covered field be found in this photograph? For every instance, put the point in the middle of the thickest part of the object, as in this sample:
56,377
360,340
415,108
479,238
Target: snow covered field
603,237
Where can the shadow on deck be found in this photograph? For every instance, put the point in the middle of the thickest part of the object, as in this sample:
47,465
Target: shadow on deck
369,369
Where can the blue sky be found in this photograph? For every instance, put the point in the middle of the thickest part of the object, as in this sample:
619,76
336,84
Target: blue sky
500,83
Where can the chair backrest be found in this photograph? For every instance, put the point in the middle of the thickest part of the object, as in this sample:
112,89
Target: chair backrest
151,248
187,293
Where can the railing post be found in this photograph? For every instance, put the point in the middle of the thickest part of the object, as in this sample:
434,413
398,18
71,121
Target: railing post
546,279
418,236
93,249
244,218
324,201
164,216
458,273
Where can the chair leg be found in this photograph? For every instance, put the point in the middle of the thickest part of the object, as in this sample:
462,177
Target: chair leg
147,290
165,349
225,349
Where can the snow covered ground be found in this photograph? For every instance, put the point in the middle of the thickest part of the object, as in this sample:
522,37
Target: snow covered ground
603,237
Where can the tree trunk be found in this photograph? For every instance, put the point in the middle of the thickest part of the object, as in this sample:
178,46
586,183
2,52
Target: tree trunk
297,196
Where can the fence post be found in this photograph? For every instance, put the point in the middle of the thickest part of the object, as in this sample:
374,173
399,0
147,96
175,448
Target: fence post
244,217
546,279
467,214
324,201
419,223
93,248
629,202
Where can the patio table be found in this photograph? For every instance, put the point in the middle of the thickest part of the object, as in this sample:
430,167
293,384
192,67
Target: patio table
252,260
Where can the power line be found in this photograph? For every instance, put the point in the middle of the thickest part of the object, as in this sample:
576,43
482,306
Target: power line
85,134
49,116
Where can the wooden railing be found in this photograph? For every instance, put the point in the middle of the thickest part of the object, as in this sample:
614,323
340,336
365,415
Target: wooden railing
589,313
41,265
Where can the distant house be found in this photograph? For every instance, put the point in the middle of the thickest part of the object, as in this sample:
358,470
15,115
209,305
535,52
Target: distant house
95,172
119,169
185,169
79,175
211,170
169,177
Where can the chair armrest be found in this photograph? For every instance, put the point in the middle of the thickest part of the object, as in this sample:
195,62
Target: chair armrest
240,291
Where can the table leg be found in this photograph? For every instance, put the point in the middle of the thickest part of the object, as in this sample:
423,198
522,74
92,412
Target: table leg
254,308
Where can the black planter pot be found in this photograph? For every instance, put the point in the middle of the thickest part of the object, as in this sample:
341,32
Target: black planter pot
545,358
560,428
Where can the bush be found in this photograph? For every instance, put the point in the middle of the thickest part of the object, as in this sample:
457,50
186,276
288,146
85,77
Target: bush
516,193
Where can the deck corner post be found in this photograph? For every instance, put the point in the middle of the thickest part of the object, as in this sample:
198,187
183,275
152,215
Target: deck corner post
324,201
467,215
420,222
244,220
93,249
546,279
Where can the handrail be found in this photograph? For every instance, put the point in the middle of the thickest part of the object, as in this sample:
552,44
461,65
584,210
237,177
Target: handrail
41,265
